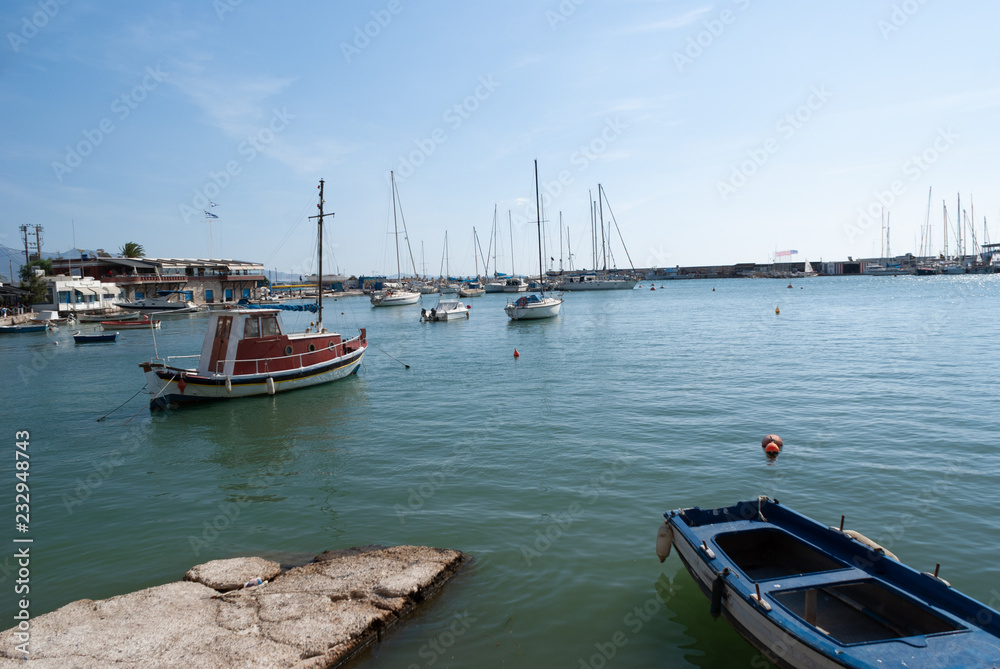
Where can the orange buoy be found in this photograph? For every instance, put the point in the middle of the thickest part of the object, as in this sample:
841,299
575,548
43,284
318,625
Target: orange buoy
777,310
652,287
771,439
772,449
789,285
516,354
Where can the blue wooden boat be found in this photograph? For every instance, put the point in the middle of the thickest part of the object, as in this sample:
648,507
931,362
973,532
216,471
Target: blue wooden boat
95,337
811,596
29,327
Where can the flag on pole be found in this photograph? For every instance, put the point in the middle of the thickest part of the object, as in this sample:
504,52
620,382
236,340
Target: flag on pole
209,215
778,254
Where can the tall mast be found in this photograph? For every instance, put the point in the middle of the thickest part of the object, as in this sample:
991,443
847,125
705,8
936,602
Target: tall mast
395,225
319,276
600,204
593,229
510,223
569,249
944,224
560,244
958,219
538,211
475,250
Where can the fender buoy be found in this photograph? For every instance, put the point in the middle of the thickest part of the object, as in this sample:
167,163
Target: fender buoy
522,301
664,540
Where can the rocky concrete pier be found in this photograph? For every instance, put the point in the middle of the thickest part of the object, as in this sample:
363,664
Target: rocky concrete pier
310,617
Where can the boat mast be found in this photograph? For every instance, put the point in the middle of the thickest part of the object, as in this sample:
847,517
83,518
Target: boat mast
395,224
600,204
538,211
475,250
510,224
560,244
319,276
944,224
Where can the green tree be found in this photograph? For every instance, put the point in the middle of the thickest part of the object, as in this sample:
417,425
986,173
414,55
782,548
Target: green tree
132,250
37,287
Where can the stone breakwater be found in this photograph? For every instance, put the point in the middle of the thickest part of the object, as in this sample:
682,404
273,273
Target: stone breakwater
310,617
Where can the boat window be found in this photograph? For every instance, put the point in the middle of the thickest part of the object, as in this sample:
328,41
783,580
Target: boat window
252,328
269,326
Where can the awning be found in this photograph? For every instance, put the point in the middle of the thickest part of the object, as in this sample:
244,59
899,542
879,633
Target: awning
85,291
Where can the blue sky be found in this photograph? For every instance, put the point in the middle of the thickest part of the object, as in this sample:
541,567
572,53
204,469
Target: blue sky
720,131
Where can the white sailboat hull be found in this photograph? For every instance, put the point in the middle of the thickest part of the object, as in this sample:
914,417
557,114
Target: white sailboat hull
397,299
547,308
599,284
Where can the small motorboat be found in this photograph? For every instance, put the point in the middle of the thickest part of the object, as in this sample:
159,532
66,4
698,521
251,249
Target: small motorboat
94,337
445,310
142,324
808,595
23,327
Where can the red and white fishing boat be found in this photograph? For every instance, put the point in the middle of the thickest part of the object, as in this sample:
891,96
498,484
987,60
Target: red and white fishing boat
248,352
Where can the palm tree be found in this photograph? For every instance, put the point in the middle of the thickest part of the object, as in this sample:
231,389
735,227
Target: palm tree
132,250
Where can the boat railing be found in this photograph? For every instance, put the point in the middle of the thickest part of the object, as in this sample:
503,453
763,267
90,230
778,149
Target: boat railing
221,364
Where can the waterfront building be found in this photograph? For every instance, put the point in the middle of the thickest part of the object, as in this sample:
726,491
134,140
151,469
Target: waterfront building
198,280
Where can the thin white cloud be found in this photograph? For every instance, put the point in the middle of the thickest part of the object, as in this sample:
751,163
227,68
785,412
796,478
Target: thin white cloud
668,24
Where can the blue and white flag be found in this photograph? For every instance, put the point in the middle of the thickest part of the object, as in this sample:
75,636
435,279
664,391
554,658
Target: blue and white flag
209,215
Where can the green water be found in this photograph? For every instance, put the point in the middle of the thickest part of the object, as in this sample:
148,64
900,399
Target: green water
552,470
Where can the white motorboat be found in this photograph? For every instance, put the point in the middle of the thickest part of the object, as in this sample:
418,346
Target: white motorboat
161,302
445,310
515,285
471,289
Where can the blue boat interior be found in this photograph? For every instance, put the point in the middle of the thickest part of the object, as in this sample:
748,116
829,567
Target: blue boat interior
847,592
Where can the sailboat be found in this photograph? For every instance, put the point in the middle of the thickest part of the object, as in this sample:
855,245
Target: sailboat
395,294
532,307
249,352
473,288
602,279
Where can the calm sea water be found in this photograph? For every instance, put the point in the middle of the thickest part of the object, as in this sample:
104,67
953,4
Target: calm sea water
552,469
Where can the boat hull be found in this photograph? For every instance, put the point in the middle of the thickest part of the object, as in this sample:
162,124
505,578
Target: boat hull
609,284
395,300
80,338
170,387
548,308
815,597
471,292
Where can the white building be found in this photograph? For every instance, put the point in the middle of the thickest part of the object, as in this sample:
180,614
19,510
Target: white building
74,294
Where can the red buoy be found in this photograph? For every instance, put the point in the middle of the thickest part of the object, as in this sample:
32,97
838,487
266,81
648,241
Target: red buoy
771,439
516,354
772,448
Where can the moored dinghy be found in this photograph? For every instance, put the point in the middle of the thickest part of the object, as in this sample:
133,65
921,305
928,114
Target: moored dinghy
808,595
